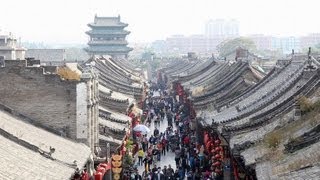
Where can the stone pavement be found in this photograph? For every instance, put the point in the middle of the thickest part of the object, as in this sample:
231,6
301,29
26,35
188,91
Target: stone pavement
169,157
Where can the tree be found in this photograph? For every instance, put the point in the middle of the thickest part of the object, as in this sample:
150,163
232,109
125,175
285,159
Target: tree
228,46
68,74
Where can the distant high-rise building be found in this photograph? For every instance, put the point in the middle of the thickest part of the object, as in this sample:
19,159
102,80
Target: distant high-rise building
179,43
222,28
285,44
310,40
261,41
108,37
199,44
289,43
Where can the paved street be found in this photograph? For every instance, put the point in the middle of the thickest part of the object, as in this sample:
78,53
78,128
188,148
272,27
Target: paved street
169,157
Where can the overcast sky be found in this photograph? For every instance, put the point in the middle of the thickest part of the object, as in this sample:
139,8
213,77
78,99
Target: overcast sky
65,21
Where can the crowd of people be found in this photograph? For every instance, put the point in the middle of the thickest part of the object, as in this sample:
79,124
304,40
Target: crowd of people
190,156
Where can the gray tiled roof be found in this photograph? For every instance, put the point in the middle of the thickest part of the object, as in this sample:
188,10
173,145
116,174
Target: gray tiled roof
116,115
109,139
17,162
112,124
108,32
107,21
109,49
20,162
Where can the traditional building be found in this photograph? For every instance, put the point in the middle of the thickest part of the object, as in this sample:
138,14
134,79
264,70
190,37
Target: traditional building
108,37
47,98
256,116
119,88
9,49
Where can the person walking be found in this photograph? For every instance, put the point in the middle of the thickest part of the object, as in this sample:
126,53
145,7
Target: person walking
169,118
170,172
156,132
164,146
144,143
140,156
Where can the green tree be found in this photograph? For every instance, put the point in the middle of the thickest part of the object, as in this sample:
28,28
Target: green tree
228,46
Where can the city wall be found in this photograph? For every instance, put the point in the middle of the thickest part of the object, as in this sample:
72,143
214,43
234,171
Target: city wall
44,98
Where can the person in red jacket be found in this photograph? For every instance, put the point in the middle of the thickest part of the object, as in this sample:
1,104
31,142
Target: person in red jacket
186,140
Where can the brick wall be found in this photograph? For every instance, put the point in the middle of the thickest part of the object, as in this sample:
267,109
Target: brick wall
44,98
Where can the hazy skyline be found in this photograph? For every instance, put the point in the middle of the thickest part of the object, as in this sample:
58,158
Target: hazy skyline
65,21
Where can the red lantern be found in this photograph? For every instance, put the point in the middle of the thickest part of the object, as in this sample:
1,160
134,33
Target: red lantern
98,176
208,144
217,142
218,163
217,156
213,151
105,165
212,145
218,149
102,170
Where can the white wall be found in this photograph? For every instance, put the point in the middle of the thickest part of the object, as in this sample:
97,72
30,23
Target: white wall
20,55
8,55
82,119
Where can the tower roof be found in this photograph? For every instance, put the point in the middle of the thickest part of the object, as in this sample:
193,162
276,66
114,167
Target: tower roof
108,49
108,21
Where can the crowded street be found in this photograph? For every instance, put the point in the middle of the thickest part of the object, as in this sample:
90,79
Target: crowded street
167,144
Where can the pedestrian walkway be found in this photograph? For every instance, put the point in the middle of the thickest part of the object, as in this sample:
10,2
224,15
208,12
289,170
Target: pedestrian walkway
190,159
169,157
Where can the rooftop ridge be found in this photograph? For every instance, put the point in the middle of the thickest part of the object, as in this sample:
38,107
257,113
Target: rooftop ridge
30,145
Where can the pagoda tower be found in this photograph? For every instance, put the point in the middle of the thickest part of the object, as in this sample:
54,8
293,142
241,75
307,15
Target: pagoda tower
108,37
